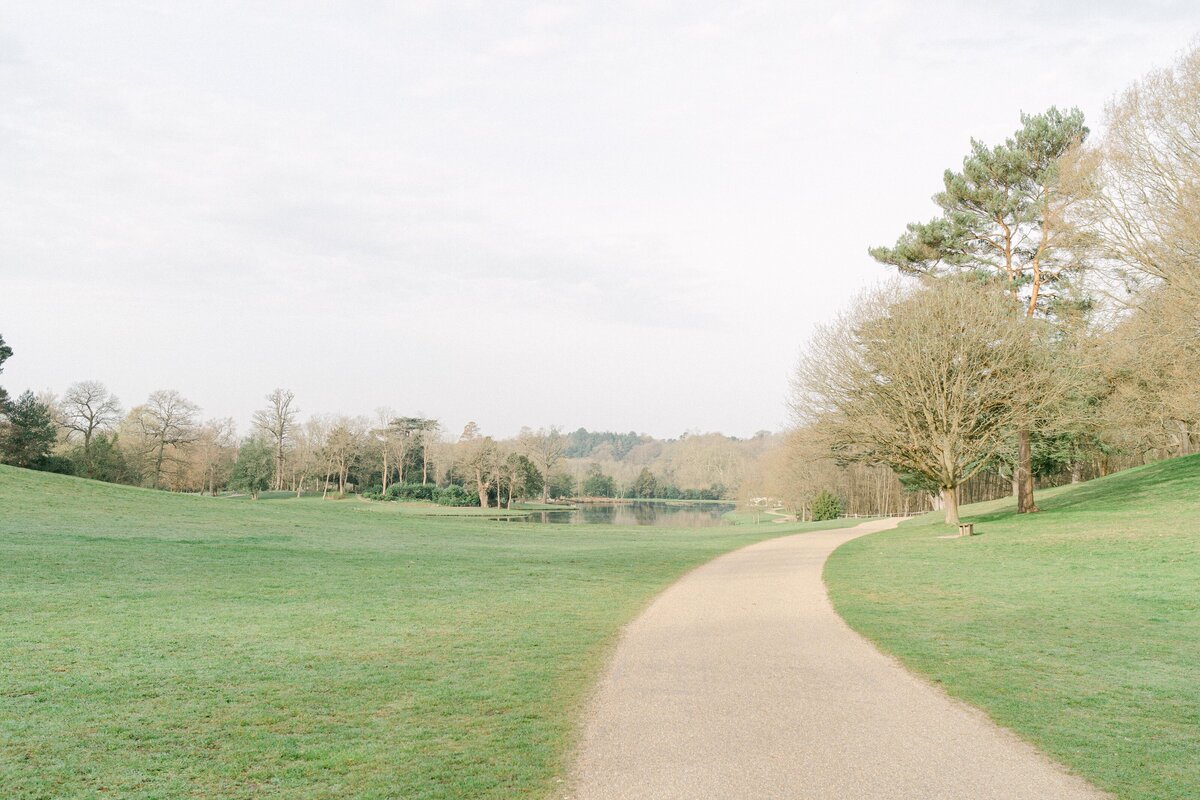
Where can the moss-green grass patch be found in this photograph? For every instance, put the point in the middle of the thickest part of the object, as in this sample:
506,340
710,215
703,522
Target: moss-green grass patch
166,646
1078,627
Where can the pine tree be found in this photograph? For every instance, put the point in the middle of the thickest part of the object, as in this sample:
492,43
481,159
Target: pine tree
28,434
1006,216
5,353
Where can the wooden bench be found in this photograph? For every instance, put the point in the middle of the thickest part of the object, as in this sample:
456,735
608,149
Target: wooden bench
966,529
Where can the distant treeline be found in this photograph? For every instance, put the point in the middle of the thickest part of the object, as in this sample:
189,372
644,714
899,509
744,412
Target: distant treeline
583,443
164,443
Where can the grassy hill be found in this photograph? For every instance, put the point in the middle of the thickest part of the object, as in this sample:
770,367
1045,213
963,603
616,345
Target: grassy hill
159,645
1078,627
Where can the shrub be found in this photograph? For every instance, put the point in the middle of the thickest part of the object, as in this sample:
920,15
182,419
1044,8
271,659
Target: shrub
826,505
561,485
410,491
455,496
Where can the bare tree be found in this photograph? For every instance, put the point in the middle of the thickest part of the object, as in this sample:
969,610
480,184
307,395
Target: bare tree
167,423
1145,217
307,453
216,451
477,456
384,435
1146,214
429,432
1153,401
277,421
343,446
512,466
704,460
797,470
404,432
1009,213
932,384
545,449
88,408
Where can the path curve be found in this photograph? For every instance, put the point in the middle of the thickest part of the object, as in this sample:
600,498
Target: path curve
740,681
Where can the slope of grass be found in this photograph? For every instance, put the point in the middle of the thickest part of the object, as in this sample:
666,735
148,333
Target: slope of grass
162,646
1078,627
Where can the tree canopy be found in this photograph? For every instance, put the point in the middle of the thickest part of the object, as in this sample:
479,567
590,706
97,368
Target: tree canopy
931,380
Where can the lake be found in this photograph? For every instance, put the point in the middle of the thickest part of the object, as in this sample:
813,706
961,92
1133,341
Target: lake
639,512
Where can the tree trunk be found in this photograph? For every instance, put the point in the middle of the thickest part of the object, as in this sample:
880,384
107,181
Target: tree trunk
950,503
278,464
162,444
1076,471
546,486
481,488
1024,474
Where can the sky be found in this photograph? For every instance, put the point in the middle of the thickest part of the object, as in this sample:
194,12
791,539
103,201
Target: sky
621,216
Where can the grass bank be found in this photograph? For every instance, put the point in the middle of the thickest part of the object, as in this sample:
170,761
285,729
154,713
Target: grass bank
1078,627
159,645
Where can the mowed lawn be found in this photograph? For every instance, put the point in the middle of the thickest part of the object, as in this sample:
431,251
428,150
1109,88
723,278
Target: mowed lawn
1078,627
166,646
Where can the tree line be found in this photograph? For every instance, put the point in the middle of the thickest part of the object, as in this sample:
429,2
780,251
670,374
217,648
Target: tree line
1044,326
164,443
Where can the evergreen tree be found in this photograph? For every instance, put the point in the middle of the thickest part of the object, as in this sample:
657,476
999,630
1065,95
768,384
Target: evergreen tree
559,486
826,505
5,353
28,434
254,468
597,484
1006,216
104,461
645,485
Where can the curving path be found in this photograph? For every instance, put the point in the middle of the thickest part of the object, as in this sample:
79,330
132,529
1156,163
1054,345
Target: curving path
740,681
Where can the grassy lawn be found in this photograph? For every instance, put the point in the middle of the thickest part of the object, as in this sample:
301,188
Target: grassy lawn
755,516
163,646
420,508
1078,627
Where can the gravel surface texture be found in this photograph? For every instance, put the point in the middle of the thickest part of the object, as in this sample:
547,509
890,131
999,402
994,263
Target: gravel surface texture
740,681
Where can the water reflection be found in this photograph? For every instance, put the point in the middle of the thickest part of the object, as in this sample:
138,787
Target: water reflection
641,512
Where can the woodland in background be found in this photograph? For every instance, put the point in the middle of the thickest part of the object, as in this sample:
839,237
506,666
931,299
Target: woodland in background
163,443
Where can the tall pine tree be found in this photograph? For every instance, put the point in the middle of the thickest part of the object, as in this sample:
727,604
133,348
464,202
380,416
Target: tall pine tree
1005,215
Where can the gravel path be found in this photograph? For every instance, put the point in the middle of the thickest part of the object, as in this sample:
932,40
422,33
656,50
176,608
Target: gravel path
740,681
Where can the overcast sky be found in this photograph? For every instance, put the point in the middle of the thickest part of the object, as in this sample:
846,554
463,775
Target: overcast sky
617,215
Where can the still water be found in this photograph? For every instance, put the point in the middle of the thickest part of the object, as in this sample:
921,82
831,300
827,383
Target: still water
641,512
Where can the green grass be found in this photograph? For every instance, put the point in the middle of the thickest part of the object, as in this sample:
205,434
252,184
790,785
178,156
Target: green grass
163,646
1078,627
420,508
754,516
